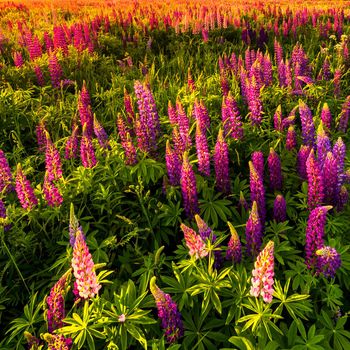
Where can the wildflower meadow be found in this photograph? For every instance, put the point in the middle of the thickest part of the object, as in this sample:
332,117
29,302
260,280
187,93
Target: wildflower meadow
174,175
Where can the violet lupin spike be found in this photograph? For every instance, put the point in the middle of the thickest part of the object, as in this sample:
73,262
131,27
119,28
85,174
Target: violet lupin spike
173,165
254,102
87,152
204,230
5,174
258,162
257,192
221,164
55,71
101,134
328,261
307,124
315,231
330,172
24,190
202,151
315,191
344,116
231,118
84,269
291,138
172,113
184,125
275,170
85,112
41,135
167,312
194,243
323,144
39,75
234,247
279,209
263,274
254,232
302,157
55,302
18,59
277,119
339,152
343,198
189,188
326,117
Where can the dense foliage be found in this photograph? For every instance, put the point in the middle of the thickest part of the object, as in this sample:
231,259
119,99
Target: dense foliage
174,176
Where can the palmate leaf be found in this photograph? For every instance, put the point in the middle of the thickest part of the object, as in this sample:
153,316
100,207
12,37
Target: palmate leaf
297,305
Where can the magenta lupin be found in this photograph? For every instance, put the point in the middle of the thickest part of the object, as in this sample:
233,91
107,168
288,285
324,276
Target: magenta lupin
277,119
72,144
234,247
344,116
328,261
52,161
275,170
315,231
231,118
18,59
189,188
302,157
41,135
330,173
323,145
326,117
172,113
39,75
101,134
87,152
257,192
173,165
280,209
85,111
315,192
291,138
258,162
184,125
55,71
5,174
307,124
221,164
24,190
202,151
51,192
254,232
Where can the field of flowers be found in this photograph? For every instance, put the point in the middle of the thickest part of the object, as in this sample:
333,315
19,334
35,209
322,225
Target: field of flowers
174,175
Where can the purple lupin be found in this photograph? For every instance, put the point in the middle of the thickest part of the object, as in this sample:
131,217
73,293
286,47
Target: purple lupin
202,151
302,157
307,124
315,192
221,164
275,170
257,192
279,209
254,232
258,162
291,138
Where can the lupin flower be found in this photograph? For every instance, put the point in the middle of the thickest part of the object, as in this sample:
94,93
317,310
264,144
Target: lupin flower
275,170
277,119
55,71
3,217
173,165
258,162
315,194
39,75
307,124
328,261
257,192
279,209
57,341
234,248
189,188
55,302
41,135
204,230
339,151
201,115
5,174
87,152
52,194
24,190
263,274
167,312
221,164
326,117
202,151
254,231
315,231
291,138
84,269
52,161
344,116
184,125
32,341
194,243
343,198
326,69
85,112
323,144
172,113
18,59
72,144
101,134
254,101
130,151
231,118
330,172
